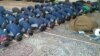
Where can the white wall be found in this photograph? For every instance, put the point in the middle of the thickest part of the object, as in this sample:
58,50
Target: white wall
84,0
91,0
77,0
73,0
60,0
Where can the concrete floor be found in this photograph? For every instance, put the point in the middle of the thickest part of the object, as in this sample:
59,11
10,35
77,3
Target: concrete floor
56,42
59,41
10,4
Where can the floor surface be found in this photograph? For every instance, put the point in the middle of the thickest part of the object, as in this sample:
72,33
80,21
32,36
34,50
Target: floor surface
59,41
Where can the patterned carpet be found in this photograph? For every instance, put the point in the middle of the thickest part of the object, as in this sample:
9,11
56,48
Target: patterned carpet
50,44
57,42
16,50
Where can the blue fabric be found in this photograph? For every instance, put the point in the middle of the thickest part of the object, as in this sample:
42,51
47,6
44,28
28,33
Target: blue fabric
7,12
28,13
62,13
50,8
94,5
10,18
56,14
2,32
2,20
69,10
35,21
24,24
50,17
45,20
20,15
37,12
13,28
